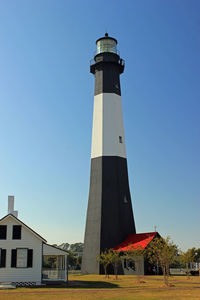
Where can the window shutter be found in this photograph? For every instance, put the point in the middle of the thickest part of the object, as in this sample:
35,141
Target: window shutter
30,258
13,258
3,258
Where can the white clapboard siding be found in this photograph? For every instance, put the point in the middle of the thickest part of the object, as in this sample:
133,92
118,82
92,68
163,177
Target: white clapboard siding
28,240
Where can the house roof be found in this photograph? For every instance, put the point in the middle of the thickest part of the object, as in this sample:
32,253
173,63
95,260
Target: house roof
23,224
53,250
137,241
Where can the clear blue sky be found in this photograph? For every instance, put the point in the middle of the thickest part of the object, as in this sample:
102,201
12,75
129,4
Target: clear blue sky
46,105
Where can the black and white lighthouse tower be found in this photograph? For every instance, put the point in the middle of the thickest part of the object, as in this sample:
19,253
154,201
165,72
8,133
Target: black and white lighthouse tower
109,215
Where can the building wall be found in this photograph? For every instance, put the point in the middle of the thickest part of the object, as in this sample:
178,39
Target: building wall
108,126
139,267
28,240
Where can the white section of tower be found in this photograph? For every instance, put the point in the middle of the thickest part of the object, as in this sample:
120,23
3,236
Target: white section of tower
108,130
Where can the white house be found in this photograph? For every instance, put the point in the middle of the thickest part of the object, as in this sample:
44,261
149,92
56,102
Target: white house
23,253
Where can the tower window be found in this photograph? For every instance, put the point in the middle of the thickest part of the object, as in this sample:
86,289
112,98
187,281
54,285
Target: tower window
17,232
3,232
120,139
125,200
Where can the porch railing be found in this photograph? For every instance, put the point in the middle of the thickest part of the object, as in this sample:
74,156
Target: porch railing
53,274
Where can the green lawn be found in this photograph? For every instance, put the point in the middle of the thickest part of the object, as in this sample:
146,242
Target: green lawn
97,287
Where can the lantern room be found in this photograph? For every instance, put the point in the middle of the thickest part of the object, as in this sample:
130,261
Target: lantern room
106,44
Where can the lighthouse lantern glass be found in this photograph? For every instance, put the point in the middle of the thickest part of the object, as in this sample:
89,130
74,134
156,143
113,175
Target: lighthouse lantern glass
106,45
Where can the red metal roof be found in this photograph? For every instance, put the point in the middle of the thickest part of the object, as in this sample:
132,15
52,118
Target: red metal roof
137,241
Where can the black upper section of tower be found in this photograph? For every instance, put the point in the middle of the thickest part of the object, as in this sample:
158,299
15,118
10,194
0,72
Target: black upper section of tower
107,66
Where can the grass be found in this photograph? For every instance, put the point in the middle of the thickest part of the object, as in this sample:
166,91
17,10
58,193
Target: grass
87,287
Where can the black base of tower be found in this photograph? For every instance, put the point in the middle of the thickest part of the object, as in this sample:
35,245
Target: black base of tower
109,216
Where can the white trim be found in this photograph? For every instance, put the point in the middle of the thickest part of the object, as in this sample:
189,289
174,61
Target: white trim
65,267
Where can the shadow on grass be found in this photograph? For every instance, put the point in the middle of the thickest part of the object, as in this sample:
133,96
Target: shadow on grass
93,284
78,284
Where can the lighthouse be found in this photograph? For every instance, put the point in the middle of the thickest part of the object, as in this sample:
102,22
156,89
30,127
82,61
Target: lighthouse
109,215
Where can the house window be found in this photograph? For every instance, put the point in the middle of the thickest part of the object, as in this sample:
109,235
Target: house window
21,261
22,258
2,258
131,265
120,139
17,232
3,232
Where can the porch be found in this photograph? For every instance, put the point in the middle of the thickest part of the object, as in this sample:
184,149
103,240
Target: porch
54,268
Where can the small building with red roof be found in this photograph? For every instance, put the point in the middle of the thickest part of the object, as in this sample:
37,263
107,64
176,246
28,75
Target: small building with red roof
138,241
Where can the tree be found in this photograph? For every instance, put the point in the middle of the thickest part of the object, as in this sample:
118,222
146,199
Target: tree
71,259
187,258
162,251
197,258
76,247
135,255
79,260
49,262
115,260
177,263
105,259
110,257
